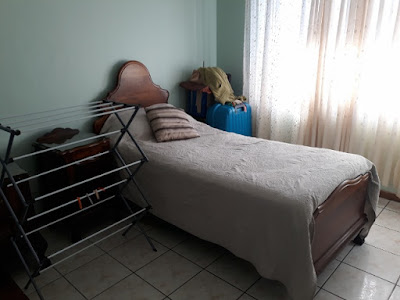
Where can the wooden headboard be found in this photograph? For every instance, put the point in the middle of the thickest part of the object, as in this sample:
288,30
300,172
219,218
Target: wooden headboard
135,86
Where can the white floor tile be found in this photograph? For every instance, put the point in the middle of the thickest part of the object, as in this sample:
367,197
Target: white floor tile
367,272
342,254
206,286
389,219
131,288
396,294
60,289
234,270
246,297
375,261
116,239
328,271
324,295
384,238
382,202
394,206
77,260
378,211
351,283
97,276
168,272
137,252
150,221
199,251
21,278
168,235
268,289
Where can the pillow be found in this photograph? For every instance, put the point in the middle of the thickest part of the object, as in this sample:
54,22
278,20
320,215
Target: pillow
169,123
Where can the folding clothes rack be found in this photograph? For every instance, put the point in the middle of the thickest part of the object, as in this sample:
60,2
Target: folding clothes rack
15,126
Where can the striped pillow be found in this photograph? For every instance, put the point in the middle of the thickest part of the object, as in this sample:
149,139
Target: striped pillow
169,123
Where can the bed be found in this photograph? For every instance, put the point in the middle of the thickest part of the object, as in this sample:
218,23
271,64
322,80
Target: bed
285,208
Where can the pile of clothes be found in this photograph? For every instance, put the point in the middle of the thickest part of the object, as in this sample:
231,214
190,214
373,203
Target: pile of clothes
213,80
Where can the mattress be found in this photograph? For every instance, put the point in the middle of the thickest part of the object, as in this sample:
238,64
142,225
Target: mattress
252,196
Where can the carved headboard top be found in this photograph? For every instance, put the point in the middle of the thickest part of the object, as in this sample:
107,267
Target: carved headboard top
135,86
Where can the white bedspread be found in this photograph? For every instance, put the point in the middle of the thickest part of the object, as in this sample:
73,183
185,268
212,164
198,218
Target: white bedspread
252,196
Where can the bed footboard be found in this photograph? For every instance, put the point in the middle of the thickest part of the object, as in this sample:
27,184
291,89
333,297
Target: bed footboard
338,220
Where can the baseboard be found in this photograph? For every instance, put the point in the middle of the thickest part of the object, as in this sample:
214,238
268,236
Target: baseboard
389,196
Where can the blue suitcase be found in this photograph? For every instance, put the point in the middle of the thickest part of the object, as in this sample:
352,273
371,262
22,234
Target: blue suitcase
232,119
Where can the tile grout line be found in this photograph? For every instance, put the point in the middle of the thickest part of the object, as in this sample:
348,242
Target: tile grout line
40,288
144,264
219,256
240,296
133,237
398,231
205,269
391,210
62,276
369,273
387,227
315,295
395,285
184,240
84,297
169,249
332,293
114,285
134,272
244,291
376,247
201,270
340,262
352,247
253,285
151,285
251,297
177,287
105,253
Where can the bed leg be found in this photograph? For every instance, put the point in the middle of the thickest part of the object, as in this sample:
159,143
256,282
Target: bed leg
359,240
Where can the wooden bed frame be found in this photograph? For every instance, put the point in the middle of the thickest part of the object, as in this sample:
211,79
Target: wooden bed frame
337,221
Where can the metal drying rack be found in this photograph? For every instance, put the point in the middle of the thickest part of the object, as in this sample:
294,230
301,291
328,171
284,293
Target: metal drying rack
14,126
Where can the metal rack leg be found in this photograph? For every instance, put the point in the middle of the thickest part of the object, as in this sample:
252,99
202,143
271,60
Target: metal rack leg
136,221
147,237
27,269
36,273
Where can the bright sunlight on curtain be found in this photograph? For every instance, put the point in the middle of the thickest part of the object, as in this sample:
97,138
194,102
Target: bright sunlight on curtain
326,73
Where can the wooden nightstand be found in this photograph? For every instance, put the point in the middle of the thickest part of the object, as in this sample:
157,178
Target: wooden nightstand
5,218
7,226
73,174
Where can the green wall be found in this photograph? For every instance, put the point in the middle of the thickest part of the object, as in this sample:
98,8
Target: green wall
55,53
230,37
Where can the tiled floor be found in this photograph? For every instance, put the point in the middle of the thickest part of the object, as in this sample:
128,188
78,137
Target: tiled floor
185,267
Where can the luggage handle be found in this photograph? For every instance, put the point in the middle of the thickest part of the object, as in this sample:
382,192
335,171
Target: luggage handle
242,105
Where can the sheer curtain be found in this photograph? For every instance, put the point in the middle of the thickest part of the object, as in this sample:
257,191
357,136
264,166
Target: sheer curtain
326,73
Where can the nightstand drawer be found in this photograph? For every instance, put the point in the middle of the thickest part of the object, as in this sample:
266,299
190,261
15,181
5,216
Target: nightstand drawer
84,151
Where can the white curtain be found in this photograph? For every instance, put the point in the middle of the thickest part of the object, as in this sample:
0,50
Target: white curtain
326,73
